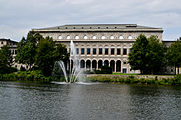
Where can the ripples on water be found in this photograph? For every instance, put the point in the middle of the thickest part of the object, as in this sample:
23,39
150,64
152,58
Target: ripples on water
21,101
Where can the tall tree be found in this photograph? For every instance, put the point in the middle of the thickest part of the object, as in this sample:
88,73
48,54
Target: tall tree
174,54
45,58
147,55
6,59
26,50
137,57
156,55
47,53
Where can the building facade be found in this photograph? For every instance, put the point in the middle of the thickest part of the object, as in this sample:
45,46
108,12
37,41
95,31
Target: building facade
101,44
13,48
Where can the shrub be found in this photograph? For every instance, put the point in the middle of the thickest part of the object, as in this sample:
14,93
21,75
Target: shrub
106,70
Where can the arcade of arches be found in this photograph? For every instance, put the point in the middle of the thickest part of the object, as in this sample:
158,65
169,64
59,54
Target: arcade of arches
97,64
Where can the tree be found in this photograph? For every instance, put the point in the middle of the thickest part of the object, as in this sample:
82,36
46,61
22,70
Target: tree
174,54
137,57
156,55
26,50
61,53
6,59
147,55
48,53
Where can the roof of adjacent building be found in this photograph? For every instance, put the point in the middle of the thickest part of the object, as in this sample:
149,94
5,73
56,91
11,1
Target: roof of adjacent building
3,39
100,27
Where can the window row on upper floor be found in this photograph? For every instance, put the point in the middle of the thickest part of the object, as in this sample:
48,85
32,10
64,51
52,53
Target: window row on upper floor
95,37
102,51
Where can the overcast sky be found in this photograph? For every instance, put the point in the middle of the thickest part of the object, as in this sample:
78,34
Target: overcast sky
17,17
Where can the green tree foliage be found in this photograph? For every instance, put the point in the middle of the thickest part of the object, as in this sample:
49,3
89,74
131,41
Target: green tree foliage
147,55
137,57
174,54
26,50
6,60
48,53
156,55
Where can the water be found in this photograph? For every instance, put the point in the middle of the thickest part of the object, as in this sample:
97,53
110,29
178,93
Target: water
21,101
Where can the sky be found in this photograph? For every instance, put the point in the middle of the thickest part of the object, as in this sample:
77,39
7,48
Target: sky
17,17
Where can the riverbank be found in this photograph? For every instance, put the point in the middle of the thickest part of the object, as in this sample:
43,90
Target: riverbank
137,79
38,77
26,76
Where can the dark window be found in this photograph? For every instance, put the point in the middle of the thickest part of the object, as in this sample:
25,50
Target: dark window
77,51
124,62
15,51
82,50
94,51
112,51
124,51
118,51
124,70
2,42
106,51
88,50
100,51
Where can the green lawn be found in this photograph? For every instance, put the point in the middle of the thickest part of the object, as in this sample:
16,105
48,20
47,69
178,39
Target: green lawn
125,73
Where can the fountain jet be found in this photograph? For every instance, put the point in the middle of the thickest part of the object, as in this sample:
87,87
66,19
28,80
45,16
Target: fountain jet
75,71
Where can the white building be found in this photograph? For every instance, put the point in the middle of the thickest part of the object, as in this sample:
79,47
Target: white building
101,44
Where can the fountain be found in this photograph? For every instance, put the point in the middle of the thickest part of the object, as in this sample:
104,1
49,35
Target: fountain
75,71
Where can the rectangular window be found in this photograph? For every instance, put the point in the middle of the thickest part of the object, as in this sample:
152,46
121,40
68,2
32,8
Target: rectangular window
124,70
88,51
106,51
77,51
15,51
94,51
112,51
124,51
100,51
2,42
118,51
82,50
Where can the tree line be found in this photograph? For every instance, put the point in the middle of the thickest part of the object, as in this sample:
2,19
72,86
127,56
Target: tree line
37,52
149,55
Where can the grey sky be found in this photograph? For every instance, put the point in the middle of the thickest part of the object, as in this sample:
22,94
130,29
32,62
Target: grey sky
17,17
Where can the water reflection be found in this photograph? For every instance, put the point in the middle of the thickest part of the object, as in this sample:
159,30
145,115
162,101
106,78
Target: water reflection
79,102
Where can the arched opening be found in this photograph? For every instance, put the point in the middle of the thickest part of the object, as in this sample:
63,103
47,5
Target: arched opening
118,66
94,64
112,65
99,64
106,63
82,64
88,64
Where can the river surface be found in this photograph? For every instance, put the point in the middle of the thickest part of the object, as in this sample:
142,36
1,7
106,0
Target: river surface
25,101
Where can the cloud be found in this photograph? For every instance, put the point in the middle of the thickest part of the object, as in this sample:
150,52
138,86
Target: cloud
19,16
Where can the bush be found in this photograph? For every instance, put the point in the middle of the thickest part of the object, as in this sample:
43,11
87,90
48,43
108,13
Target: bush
32,76
106,70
